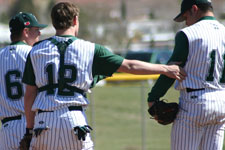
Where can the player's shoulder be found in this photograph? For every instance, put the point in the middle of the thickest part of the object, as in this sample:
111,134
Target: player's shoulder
16,47
195,28
221,26
39,46
41,42
83,44
3,49
82,41
95,46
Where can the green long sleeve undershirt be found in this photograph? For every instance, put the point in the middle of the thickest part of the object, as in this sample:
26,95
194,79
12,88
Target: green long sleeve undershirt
180,54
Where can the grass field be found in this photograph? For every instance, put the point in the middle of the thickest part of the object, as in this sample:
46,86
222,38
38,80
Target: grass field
118,121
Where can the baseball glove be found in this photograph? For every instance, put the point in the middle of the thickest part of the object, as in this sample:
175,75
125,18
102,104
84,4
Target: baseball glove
25,142
164,112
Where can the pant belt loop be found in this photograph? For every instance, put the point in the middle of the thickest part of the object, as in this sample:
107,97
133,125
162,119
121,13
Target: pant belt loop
6,119
192,90
78,108
41,111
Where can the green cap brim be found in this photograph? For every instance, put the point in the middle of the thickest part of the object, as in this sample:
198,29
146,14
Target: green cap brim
179,18
41,26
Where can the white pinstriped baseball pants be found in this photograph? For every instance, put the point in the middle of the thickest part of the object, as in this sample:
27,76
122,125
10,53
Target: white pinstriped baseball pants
200,122
60,135
11,134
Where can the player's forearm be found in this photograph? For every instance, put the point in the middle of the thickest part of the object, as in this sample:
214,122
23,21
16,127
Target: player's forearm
139,67
160,88
30,95
30,119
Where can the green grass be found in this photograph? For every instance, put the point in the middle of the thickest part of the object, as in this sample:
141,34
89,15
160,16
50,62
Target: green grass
118,119
118,122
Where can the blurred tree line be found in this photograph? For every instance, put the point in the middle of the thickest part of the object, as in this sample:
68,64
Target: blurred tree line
18,6
96,21
96,24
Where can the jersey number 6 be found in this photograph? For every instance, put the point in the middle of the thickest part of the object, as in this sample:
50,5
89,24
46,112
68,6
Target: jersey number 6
14,87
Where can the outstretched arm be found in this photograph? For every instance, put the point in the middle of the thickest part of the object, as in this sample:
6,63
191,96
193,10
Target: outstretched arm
144,68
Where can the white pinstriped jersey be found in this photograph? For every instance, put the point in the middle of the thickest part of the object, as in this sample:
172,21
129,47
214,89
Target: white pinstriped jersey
78,63
12,63
206,44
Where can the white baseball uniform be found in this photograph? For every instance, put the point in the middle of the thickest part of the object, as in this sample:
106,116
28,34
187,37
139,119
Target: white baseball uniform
200,122
60,109
78,67
12,63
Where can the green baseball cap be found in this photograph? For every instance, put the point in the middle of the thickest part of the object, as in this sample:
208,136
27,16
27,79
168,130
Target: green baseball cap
24,20
186,5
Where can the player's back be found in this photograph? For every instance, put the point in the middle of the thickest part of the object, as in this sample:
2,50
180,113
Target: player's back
77,63
205,65
12,63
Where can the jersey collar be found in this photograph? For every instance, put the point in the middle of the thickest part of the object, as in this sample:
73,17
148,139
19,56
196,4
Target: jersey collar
66,36
207,18
18,43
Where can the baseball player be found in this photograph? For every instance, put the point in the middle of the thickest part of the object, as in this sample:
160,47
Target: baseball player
200,47
25,32
58,73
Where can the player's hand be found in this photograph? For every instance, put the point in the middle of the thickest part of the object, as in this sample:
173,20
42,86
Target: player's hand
25,141
154,117
150,105
176,72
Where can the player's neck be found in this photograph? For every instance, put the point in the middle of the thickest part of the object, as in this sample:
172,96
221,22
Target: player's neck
206,14
69,31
